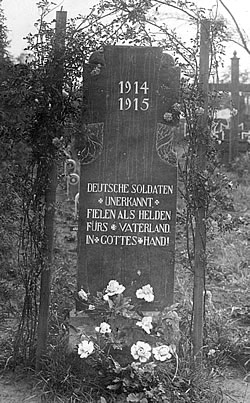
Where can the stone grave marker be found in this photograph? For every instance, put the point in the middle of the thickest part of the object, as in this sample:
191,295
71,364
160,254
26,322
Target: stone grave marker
128,177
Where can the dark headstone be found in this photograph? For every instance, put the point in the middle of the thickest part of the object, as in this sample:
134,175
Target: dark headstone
128,178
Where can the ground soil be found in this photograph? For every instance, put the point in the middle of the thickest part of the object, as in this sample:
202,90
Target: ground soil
235,390
15,388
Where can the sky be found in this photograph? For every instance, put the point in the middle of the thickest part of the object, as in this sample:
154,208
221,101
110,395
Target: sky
22,14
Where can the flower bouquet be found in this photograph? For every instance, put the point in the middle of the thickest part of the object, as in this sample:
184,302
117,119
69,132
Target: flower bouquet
132,346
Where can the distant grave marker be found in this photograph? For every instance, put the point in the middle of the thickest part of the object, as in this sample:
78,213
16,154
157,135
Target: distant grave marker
128,178
232,142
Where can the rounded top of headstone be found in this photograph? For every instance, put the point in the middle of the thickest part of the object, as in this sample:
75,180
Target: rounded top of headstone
167,59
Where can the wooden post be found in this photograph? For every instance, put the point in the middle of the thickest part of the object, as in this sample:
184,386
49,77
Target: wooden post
200,224
50,192
233,140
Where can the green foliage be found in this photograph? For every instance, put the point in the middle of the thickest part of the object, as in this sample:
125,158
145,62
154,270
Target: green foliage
227,341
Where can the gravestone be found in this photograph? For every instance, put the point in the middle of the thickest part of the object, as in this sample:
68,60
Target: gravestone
128,177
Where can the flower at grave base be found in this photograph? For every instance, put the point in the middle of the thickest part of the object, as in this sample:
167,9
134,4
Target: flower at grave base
91,307
141,351
113,288
103,328
82,294
146,324
85,348
168,117
162,353
146,292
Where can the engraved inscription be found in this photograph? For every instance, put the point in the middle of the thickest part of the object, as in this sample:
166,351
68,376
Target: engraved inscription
132,99
126,214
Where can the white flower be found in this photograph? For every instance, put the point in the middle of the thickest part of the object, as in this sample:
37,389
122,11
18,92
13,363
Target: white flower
162,353
146,324
91,307
141,351
82,294
146,292
103,328
114,288
85,348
